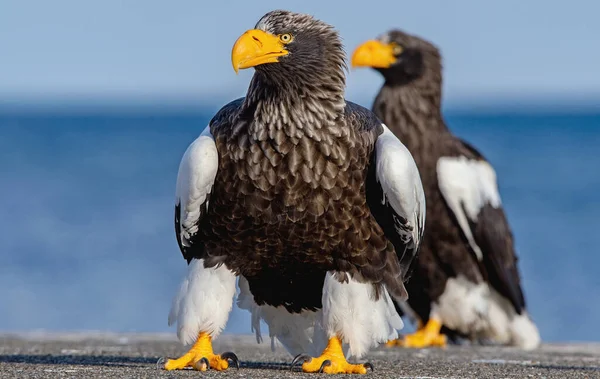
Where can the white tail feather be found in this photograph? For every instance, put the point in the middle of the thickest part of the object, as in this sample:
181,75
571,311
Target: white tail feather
524,332
297,332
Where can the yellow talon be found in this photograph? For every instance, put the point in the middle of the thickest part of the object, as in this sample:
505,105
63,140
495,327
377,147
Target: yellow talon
332,361
425,336
200,357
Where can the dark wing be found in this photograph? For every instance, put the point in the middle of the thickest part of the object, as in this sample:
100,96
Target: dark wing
195,179
468,184
394,193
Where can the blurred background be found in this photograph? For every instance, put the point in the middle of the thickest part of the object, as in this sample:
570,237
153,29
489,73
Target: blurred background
99,100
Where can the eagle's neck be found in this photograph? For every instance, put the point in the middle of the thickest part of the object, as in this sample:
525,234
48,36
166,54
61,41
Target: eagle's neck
412,112
295,107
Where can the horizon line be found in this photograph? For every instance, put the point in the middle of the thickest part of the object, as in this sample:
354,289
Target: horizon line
196,103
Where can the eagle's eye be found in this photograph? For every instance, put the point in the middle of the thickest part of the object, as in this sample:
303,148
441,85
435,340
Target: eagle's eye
397,49
286,38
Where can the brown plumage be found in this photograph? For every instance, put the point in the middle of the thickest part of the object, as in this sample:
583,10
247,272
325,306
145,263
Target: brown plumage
409,103
298,214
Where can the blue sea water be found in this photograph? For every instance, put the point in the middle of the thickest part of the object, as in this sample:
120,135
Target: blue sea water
87,241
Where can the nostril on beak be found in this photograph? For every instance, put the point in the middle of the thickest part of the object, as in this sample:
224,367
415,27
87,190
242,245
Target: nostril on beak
257,41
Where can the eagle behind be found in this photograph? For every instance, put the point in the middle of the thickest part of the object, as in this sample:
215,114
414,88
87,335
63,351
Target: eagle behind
466,278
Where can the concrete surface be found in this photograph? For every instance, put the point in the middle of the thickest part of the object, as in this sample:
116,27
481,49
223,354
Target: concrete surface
88,355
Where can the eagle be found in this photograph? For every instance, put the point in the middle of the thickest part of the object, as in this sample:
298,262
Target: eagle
466,278
307,198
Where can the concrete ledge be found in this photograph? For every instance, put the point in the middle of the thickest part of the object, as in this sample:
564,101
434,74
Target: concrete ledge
113,355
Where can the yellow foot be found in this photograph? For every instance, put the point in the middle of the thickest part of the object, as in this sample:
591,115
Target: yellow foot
425,336
331,361
201,357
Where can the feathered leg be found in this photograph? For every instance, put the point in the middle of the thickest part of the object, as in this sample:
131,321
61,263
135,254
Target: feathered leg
201,309
353,314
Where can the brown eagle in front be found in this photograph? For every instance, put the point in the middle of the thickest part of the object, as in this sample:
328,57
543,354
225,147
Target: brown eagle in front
306,197
466,278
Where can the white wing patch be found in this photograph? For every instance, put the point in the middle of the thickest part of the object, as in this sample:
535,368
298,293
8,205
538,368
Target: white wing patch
467,185
196,176
399,178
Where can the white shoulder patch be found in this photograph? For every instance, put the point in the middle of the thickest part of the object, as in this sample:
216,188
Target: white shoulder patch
467,185
196,176
400,180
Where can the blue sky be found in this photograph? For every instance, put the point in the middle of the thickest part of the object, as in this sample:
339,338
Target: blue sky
140,49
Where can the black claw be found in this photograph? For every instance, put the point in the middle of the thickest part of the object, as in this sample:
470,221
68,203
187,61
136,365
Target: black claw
298,358
325,363
369,366
205,361
160,364
231,357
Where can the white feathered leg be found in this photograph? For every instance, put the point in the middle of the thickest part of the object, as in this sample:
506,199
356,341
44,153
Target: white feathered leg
351,312
352,315
203,302
201,309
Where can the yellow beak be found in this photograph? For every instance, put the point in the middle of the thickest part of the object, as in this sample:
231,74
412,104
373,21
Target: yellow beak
373,54
256,47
